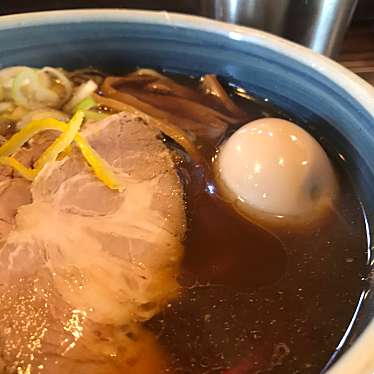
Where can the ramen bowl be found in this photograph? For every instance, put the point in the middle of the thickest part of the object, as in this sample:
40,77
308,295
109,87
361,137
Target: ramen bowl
292,77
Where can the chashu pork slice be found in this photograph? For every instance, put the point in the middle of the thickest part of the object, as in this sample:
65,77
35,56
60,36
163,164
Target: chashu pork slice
84,265
15,190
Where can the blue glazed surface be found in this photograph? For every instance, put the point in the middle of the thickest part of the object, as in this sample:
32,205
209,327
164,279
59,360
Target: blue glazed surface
295,87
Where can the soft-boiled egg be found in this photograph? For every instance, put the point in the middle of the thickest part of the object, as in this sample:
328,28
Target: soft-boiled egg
275,170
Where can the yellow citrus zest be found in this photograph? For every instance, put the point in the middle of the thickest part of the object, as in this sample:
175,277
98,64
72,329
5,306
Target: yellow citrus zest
31,129
27,173
62,142
61,146
66,152
98,164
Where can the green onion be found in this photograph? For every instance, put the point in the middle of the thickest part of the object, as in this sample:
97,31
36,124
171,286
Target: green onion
85,104
18,97
95,116
44,96
82,92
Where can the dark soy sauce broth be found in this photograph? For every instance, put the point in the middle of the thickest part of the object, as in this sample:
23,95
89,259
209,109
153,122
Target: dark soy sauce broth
259,301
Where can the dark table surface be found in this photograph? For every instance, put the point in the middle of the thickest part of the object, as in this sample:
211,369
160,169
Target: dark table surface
17,6
365,9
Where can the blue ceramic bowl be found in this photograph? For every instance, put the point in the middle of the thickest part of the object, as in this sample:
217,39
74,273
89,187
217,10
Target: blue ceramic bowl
298,80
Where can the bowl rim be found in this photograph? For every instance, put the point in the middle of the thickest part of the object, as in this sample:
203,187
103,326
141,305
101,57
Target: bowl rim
358,359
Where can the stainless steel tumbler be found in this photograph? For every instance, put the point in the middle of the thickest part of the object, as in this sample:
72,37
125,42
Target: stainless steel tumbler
318,24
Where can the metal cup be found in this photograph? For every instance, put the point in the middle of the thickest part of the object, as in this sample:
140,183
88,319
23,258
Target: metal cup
261,14
318,24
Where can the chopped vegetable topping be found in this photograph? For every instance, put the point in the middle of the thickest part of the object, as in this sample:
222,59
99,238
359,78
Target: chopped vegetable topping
38,94
86,104
62,142
82,92
98,164
34,127
70,133
27,173
94,116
